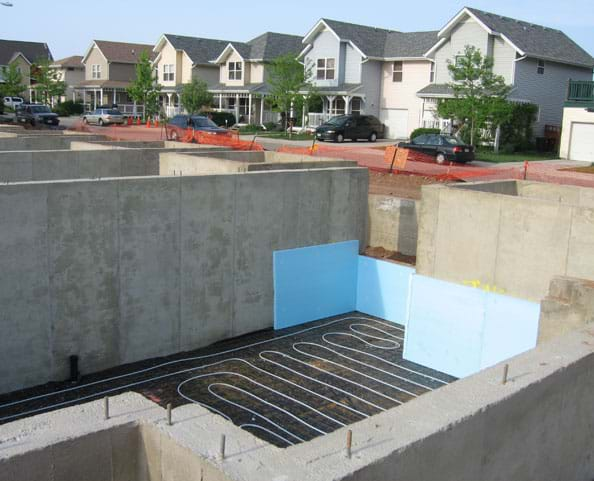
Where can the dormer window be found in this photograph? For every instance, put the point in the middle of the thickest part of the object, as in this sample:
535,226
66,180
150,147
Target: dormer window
96,71
235,70
168,73
540,67
432,73
325,69
397,72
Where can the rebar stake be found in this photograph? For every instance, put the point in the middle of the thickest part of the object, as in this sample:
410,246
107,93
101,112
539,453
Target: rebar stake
169,415
505,373
222,447
106,407
349,442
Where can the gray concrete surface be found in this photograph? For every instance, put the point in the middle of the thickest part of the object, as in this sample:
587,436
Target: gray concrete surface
515,236
44,141
393,223
119,270
538,426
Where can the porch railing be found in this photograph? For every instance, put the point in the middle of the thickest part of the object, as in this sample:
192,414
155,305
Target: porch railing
171,110
126,109
315,119
580,91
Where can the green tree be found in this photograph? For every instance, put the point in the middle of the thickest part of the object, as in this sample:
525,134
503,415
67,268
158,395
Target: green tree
195,96
290,85
480,96
145,89
13,81
46,81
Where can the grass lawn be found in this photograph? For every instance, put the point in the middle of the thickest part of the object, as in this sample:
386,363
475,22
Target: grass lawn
490,156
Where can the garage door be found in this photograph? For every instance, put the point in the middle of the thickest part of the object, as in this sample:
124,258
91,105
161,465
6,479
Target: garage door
581,144
396,122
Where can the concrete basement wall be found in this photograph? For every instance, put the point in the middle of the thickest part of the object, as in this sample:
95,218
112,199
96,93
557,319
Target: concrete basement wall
513,244
44,142
393,224
120,270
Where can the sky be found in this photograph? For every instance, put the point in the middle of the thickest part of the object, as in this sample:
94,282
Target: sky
69,26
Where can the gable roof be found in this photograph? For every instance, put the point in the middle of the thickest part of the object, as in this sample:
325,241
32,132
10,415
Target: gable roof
200,50
381,43
527,38
32,51
121,52
265,47
72,61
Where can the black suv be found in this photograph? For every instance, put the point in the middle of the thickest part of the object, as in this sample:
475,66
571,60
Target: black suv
351,127
36,114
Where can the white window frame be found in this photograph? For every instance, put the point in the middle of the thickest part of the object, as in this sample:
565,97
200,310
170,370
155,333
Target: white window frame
168,72
235,70
323,70
96,71
540,67
397,71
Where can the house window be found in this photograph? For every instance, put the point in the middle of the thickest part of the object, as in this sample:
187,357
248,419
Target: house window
96,71
356,105
168,73
540,67
432,73
397,72
459,60
235,70
326,69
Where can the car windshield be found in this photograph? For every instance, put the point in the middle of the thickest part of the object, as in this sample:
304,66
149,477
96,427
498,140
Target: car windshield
449,139
203,122
337,121
40,109
113,112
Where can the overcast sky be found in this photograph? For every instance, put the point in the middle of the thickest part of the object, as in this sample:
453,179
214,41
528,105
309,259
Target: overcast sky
68,26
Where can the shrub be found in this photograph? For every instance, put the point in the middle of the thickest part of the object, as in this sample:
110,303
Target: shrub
222,119
518,130
417,132
271,126
68,108
251,128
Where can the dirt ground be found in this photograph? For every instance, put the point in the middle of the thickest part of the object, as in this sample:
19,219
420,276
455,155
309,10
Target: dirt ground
398,185
384,254
582,170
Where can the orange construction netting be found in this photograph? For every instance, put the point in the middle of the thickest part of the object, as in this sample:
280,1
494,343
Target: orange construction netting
228,139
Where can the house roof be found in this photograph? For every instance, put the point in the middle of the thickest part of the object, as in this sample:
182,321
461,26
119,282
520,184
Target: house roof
265,47
436,90
251,88
73,61
533,40
200,50
382,43
32,51
123,52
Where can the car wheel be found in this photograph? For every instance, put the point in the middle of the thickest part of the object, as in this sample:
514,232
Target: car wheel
85,121
373,137
100,122
440,159
354,140
173,136
340,138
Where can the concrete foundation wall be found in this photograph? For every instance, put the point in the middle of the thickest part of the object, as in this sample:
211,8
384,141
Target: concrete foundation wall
44,142
119,270
393,224
508,244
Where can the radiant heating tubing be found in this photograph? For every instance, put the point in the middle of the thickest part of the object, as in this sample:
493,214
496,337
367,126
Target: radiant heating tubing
382,340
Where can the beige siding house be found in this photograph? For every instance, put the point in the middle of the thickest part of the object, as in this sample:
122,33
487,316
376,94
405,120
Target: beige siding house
71,71
109,68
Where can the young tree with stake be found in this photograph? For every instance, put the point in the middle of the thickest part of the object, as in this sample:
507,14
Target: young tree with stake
145,88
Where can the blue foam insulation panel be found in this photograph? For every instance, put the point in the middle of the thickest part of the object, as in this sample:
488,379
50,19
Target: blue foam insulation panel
312,283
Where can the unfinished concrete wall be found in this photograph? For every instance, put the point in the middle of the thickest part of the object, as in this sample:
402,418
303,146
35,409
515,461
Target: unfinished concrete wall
119,270
393,224
507,243
44,142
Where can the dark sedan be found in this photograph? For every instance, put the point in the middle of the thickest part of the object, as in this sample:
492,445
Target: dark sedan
445,148
177,126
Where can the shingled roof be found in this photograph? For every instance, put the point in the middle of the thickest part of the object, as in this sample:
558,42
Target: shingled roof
123,52
536,40
200,50
72,61
267,46
32,51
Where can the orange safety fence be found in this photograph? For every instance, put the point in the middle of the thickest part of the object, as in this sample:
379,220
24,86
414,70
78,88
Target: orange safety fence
227,139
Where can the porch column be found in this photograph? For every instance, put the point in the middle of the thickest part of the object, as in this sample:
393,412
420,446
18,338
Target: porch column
262,110
73,95
94,98
331,99
249,109
237,108
303,112
115,97
220,101
169,109
101,95
347,104
84,97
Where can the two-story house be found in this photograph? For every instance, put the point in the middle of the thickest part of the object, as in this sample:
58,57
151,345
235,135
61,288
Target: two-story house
178,59
23,55
71,71
537,61
110,67
243,74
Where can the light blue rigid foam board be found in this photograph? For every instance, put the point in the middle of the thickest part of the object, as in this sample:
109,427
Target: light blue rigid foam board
316,282
382,289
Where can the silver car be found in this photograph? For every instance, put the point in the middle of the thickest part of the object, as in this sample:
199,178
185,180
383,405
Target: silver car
103,117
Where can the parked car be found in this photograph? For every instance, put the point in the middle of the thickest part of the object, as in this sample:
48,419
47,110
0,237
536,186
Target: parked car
352,127
13,102
177,126
445,148
103,117
36,114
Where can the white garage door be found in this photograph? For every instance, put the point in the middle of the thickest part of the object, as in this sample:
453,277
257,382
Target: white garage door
396,122
581,144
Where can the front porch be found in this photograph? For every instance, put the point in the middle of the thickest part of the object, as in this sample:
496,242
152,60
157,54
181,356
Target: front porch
248,108
95,96
333,105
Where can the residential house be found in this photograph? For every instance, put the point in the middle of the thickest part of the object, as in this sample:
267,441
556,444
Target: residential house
537,61
178,59
577,134
71,71
399,77
110,67
24,55
243,75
